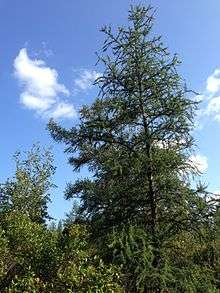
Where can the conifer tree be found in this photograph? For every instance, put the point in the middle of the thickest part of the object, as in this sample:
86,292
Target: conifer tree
136,140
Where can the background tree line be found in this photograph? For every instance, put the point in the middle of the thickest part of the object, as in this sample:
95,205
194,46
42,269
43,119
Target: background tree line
140,223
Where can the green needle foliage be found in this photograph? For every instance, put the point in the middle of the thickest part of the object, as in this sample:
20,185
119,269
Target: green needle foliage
136,140
135,137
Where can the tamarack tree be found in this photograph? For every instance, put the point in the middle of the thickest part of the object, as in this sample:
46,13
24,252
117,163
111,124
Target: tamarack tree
136,140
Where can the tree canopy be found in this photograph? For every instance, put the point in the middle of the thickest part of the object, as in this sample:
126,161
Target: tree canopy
139,223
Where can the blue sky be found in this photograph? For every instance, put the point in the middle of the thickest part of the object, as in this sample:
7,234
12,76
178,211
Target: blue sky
47,64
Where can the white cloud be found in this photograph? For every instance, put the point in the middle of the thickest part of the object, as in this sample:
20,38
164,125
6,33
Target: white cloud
64,110
213,108
217,117
214,105
41,89
35,102
86,79
200,162
216,195
213,82
210,99
199,98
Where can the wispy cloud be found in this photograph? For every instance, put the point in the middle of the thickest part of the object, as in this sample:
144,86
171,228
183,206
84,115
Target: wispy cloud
213,105
63,110
41,89
213,99
200,162
210,98
213,82
85,80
